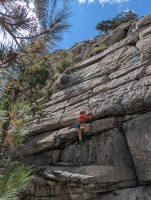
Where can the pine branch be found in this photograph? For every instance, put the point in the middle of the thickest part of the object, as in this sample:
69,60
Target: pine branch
10,32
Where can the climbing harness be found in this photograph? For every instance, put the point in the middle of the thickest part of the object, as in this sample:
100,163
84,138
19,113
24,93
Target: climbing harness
79,125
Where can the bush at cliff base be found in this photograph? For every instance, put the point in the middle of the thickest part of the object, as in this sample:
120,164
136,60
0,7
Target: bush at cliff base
16,177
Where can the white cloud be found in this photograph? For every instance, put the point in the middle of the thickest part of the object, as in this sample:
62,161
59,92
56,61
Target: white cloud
103,1
129,10
82,1
112,1
91,1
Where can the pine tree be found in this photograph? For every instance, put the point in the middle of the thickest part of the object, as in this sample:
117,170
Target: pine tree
22,70
19,23
109,25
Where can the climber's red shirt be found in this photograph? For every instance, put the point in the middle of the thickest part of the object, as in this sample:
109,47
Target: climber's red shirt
83,118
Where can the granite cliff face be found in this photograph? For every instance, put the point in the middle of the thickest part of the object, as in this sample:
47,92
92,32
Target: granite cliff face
115,85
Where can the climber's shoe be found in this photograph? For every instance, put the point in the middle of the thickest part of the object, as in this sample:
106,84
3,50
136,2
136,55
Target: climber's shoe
81,142
87,135
84,137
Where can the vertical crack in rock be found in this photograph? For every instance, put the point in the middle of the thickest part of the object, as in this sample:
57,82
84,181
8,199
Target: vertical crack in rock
123,50
143,53
96,106
139,76
122,129
140,61
55,138
59,123
89,102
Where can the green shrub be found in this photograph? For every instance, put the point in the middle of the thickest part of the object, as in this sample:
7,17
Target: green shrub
3,112
97,50
16,178
62,65
21,108
19,114
3,103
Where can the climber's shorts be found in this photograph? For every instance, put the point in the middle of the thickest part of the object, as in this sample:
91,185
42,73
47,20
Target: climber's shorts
77,125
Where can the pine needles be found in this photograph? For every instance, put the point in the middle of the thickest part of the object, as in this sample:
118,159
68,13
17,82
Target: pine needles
17,177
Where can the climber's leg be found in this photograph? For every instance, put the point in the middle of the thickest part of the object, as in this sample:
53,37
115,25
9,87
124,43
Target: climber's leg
79,134
87,128
81,141
87,131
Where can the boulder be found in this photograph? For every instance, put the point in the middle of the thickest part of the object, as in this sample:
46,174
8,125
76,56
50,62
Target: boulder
138,136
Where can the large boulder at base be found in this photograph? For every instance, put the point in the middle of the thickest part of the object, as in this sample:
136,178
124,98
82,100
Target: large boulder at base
138,134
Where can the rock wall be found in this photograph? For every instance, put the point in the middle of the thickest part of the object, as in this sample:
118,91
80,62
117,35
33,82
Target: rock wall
115,164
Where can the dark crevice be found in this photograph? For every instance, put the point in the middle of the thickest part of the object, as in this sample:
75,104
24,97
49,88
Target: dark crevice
122,130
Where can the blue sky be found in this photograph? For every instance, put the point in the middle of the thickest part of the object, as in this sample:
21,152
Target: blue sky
87,13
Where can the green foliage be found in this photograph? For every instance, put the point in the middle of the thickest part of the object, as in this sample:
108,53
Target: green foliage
19,112
104,26
108,25
24,73
16,177
97,50
31,73
3,103
125,17
21,108
3,118
62,60
62,65
37,77
23,70
3,112
31,82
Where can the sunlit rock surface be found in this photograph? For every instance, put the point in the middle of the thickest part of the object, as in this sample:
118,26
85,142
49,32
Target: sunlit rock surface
115,85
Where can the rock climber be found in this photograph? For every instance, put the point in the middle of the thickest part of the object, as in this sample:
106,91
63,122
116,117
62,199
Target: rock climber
82,124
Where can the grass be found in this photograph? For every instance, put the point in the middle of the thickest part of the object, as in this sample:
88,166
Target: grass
96,50
17,177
